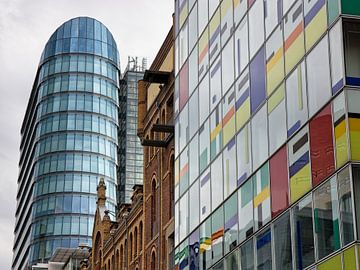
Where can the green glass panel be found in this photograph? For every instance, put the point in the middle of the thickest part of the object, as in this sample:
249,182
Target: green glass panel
333,10
350,259
334,263
350,7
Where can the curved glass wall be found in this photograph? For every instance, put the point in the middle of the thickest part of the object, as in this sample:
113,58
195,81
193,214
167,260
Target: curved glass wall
70,142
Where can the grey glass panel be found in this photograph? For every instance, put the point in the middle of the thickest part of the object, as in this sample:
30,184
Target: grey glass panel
263,250
282,242
247,256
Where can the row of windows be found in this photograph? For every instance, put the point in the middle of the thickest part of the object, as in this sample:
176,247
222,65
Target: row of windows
299,97
319,224
82,35
79,63
80,122
56,204
72,183
208,25
44,249
76,142
86,83
79,102
234,159
76,162
68,225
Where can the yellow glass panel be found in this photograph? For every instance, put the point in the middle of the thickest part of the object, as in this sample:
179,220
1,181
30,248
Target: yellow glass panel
300,183
316,28
334,263
350,259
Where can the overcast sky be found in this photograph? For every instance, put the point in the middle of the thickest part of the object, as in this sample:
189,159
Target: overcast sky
138,26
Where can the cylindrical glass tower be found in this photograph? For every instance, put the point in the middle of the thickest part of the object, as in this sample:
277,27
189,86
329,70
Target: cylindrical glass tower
69,141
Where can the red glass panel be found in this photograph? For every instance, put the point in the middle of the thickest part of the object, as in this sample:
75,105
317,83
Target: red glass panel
279,185
321,146
184,85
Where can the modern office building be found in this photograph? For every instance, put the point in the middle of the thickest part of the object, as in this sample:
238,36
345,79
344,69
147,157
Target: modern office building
69,140
267,141
130,154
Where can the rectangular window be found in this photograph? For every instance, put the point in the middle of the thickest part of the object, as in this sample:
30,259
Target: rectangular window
231,223
318,76
247,255
204,145
193,159
216,182
263,250
226,20
184,171
205,195
303,229
246,219
261,197
214,36
194,206
296,100
277,119
241,46
299,164
205,245
229,167
259,139
326,218
256,27
203,51
228,119
279,182
293,34
346,205
242,104
353,99
183,217
315,21
216,132
257,81
217,234
243,151
215,84
321,146
282,243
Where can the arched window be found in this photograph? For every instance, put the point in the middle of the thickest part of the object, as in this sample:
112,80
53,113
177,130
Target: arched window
147,151
117,260
125,255
171,186
135,241
121,263
97,250
153,261
131,246
141,235
113,262
153,207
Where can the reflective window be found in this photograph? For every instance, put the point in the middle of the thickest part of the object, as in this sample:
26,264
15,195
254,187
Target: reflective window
318,76
315,21
273,15
226,20
205,245
326,218
321,146
194,250
263,250
261,200
215,84
247,255
193,159
217,234
352,51
241,46
203,51
240,8
216,132
229,167
193,28
202,14
204,145
299,164
231,223
336,57
243,151
205,195
194,206
256,27
303,229
242,104
257,80
228,120
193,71
259,139
204,94
282,242
346,205
214,35
353,98
246,220
279,182
296,100
277,119
216,182
293,34
183,216
227,65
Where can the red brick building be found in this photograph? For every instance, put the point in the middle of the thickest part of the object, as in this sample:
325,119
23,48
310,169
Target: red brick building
156,131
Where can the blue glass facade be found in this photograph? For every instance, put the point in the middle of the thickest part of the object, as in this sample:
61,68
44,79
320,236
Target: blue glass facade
69,140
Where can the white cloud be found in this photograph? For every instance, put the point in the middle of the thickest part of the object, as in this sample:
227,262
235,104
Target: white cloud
139,28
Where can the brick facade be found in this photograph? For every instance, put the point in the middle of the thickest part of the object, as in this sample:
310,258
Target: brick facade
158,162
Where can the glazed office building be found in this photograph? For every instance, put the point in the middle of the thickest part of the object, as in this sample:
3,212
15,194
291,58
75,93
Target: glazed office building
69,140
267,134
130,154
